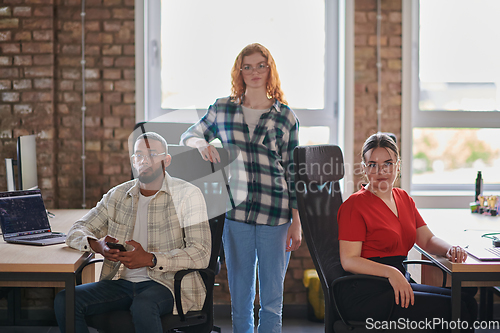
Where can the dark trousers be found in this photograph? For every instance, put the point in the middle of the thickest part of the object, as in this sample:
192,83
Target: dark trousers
363,299
147,301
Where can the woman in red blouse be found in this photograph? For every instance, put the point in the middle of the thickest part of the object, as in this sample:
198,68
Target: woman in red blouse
378,225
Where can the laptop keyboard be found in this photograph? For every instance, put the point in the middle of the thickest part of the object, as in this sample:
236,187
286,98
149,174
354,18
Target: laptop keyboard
43,237
494,250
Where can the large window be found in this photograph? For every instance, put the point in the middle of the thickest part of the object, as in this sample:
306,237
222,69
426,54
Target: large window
456,118
191,46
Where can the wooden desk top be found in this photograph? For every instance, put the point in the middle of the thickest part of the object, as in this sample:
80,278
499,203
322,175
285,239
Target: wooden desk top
51,258
461,227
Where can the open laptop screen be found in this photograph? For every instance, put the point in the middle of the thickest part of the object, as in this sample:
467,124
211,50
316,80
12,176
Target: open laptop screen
23,214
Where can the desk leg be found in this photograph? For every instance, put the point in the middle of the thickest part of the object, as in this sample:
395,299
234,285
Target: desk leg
70,303
485,303
456,300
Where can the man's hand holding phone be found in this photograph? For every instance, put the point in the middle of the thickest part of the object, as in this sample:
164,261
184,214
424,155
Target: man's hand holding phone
111,250
101,246
116,246
135,258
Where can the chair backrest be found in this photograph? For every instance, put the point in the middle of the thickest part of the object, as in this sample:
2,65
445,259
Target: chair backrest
211,179
170,131
318,170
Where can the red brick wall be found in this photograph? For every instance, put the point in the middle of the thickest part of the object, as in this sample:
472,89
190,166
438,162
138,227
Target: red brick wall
41,93
365,59
109,97
27,85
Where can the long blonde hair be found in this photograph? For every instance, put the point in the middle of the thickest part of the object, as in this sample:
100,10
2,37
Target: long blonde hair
273,84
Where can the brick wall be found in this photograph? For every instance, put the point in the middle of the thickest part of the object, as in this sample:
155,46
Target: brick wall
109,97
27,85
41,93
365,59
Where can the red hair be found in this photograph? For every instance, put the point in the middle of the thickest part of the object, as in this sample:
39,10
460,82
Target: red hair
273,85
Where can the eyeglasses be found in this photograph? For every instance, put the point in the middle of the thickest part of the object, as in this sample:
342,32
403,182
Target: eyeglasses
140,157
261,68
375,168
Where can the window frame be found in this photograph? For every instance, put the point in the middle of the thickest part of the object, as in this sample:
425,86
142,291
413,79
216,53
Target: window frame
431,195
151,94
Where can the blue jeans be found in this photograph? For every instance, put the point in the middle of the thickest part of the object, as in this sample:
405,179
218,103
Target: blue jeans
245,245
147,301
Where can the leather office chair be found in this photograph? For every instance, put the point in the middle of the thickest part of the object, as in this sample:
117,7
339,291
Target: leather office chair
318,170
186,164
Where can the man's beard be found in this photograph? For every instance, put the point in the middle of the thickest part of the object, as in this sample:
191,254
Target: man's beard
148,179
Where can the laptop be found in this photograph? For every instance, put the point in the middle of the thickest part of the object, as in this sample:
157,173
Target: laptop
484,253
24,219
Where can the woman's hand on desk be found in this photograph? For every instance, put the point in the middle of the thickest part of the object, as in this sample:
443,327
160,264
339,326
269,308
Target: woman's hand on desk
456,254
402,288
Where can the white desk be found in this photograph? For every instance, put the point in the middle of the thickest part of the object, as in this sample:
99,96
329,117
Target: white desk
461,227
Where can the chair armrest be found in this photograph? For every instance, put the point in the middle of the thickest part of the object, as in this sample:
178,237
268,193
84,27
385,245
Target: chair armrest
428,263
78,272
205,272
337,282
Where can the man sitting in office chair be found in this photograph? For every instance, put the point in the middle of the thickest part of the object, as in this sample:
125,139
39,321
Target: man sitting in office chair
163,223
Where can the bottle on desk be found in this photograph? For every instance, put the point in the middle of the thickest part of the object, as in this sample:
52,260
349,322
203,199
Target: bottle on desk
479,193
479,185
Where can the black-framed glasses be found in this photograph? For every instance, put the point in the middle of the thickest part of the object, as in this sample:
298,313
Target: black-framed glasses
261,68
140,157
375,167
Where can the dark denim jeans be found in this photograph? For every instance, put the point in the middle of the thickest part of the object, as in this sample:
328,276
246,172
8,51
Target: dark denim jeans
147,301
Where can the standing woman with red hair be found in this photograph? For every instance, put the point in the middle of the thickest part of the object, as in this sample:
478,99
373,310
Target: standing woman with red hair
265,227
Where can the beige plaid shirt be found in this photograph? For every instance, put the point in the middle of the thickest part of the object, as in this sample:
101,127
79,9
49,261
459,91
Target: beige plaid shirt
178,233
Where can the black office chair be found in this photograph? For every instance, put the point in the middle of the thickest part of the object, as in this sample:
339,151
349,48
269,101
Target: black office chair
186,164
318,170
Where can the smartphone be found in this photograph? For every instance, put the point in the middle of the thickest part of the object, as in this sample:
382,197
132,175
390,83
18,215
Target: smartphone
116,246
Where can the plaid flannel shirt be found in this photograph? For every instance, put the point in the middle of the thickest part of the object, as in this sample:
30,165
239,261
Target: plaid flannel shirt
178,233
267,158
